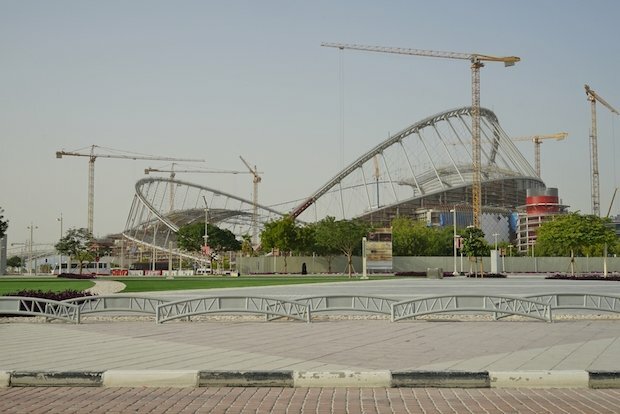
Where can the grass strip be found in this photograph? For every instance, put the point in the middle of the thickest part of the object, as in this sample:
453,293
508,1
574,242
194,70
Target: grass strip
163,284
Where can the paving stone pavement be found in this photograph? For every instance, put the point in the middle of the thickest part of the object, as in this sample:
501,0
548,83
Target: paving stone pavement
306,400
365,344
370,344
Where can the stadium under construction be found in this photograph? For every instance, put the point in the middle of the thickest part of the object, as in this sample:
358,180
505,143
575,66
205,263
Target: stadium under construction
424,172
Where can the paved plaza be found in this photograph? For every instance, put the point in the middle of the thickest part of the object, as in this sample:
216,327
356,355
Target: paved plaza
306,400
357,345
351,343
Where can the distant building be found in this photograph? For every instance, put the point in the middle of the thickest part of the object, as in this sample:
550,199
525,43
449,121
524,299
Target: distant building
541,205
615,221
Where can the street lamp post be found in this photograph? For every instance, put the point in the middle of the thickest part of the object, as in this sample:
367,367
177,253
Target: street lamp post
206,237
453,211
59,253
495,235
32,227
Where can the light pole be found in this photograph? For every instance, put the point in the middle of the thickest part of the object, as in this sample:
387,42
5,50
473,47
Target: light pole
453,211
32,227
206,237
495,235
60,254
364,259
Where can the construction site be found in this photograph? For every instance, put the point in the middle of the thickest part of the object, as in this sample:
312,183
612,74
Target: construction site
457,168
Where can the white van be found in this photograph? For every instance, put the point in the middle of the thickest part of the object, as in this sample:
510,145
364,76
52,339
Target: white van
203,270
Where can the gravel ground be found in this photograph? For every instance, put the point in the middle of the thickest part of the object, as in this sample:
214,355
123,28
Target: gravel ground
106,287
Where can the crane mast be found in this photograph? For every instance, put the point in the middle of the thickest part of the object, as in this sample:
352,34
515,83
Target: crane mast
476,60
92,157
257,179
537,140
596,198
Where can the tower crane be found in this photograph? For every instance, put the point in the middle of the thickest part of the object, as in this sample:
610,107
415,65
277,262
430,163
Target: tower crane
255,181
537,140
93,155
173,172
476,60
593,97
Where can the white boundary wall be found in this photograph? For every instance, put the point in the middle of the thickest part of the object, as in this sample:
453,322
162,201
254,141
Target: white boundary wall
314,265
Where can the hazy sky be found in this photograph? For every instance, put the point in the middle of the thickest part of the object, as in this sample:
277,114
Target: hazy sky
216,80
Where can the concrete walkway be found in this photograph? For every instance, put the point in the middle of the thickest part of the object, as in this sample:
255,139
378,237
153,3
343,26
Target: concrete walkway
581,346
348,345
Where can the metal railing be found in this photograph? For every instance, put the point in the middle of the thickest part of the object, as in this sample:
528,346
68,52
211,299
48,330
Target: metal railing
504,305
117,303
540,306
50,309
233,304
589,301
353,303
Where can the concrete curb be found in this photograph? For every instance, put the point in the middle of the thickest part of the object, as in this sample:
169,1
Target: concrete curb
604,379
440,379
378,378
245,379
342,379
5,379
150,378
539,379
56,379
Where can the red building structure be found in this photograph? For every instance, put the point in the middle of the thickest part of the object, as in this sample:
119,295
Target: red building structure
541,205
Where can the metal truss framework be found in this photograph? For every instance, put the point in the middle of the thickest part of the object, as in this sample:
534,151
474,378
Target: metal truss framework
162,205
51,309
233,304
427,163
366,304
535,306
117,303
577,301
596,302
428,158
471,303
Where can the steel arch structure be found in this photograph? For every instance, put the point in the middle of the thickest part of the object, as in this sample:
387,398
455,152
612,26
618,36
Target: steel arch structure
430,161
162,205
428,164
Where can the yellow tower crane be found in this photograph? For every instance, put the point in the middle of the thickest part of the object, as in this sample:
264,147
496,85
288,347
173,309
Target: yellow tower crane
92,156
254,171
476,60
596,198
537,140
173,173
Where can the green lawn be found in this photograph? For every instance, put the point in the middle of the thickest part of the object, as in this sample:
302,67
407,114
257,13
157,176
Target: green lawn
144,284
155,284
56,285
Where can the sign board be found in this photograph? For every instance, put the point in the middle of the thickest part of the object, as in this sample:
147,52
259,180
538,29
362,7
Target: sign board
379,250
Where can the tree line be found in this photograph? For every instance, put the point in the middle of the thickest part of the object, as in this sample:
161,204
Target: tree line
571,235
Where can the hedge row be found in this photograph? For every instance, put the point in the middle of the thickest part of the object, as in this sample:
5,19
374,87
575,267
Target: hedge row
76,276
58,296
